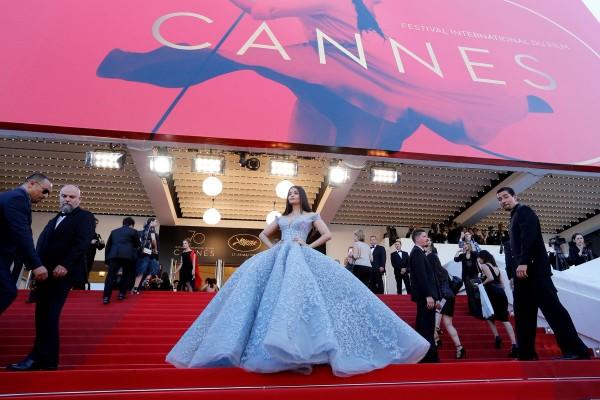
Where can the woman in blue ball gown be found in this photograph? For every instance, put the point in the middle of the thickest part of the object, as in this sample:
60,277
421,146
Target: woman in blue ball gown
291,307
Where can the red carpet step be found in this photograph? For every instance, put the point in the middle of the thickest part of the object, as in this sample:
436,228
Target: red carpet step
117,351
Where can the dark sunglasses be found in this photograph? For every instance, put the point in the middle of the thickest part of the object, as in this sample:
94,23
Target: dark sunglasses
45,191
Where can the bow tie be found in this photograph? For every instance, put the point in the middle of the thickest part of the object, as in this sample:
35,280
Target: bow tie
372,247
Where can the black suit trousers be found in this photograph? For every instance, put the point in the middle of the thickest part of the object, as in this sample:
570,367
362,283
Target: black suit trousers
376,281
8,289
539,292
402,278
425,326
51,296
127,278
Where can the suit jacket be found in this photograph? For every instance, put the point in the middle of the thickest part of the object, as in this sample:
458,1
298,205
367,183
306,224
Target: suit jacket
67,243
399,263
122,243
422,276
527,243
16,238
379,257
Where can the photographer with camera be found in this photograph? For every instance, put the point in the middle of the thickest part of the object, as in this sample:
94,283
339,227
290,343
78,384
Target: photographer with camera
579,253
558,258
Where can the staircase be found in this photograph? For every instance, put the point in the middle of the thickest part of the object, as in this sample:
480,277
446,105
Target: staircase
118,350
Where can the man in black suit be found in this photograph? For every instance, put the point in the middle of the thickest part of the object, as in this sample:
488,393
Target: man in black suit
533,286
377,266
62,246
16,239
399,261
121,253
425,292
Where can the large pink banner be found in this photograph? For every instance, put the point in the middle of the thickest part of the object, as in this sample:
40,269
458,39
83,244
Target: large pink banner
496,79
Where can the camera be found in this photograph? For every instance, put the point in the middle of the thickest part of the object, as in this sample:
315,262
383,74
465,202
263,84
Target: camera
556,241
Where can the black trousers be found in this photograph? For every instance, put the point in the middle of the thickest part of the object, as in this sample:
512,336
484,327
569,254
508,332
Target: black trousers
402,278
363,273
376,281
51,296
8,289
127,278
425,326
539,292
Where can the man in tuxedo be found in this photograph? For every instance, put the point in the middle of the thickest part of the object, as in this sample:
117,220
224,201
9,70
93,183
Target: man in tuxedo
425,292
62,246
16,239
377,266
533,286
399,261
121,253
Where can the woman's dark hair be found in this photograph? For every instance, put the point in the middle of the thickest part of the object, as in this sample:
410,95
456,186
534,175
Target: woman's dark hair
148,222
303,201
365,19
487,257
575,235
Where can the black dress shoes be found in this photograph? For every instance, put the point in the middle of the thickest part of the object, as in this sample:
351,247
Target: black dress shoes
105,300
121,296
30,365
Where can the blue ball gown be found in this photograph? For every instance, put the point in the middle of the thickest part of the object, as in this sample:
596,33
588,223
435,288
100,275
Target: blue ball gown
291,307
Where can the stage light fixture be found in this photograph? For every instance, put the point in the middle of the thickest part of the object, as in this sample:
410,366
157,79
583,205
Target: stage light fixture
161,165
208,164
105,159
338,175
283,188
284,167
384,175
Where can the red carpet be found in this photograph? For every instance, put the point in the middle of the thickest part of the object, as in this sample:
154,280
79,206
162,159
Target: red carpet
117,351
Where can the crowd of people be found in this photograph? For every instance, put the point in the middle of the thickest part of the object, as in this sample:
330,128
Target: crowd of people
314,302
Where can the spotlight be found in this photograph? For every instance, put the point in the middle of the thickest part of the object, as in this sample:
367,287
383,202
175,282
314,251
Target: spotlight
284,167
252,164
208,165
384,175
338,175
161,165
105,159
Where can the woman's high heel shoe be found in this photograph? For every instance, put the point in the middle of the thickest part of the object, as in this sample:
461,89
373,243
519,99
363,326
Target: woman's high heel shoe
461,352
498,342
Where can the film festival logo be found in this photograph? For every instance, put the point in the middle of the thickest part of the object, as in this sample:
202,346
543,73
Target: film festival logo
244,243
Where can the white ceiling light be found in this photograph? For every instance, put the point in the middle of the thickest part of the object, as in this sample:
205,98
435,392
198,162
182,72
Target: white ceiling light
212,216
384,175
161,165
338,175
105,159
283,188
208,164
284,167
212,186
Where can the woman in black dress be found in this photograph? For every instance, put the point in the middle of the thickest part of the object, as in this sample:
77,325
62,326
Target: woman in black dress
185,269
492,282
446,305
468,257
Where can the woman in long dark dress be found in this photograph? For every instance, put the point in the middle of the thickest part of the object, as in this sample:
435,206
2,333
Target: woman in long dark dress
446,307
467,256
492,282
186,269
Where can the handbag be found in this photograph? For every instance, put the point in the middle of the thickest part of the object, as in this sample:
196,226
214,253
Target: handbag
456,284
487,311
